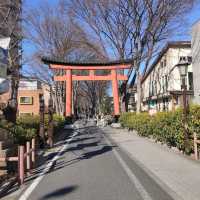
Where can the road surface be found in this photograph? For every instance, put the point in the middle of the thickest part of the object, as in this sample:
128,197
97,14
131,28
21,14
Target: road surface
89,167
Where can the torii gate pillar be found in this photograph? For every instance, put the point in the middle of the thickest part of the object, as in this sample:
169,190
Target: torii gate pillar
115,92
68,93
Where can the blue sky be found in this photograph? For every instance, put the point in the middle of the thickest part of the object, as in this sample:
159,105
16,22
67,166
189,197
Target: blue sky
192,18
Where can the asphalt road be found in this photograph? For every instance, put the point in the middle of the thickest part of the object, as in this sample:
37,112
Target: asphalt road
90,168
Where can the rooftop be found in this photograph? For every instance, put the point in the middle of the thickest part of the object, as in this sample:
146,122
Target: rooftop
172,44
48,60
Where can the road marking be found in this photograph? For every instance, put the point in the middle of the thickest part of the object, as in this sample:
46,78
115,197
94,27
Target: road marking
29,190
130,174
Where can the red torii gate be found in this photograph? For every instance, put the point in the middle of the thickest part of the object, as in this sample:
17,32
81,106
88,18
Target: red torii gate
91,67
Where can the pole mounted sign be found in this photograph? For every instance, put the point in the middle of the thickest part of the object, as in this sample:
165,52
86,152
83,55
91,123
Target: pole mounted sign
4,83
113,76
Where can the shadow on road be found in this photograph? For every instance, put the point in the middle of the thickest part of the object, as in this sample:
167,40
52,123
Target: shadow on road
80,143
91,154
81,139
59,192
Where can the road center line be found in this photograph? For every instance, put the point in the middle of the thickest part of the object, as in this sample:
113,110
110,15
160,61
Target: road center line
130,174
29,190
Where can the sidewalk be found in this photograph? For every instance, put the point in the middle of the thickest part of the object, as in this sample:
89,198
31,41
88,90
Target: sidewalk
174,171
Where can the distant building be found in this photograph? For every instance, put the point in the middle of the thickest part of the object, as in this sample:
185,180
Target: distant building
162,83
196,60
30,93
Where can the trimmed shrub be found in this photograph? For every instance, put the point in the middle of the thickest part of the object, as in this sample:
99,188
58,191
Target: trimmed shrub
165,127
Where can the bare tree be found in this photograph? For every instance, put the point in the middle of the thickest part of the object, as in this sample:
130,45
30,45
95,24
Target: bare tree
10,26
153,22
91,95
53,34
131,28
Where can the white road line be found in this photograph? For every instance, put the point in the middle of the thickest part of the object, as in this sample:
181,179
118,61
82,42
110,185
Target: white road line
130,174
29,190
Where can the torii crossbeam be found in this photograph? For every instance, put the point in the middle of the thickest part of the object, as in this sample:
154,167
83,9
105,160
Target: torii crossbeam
113,76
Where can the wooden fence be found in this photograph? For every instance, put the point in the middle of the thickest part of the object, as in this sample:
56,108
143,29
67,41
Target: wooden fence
196,142
25,159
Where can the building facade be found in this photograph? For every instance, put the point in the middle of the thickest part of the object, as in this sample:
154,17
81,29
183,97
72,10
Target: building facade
161,85
30,93
196,60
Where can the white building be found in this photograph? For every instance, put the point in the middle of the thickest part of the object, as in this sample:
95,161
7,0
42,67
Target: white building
162,83
196,60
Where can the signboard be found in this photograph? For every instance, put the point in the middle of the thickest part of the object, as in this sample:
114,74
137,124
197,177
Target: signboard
28,85
4,44
4,85
3,62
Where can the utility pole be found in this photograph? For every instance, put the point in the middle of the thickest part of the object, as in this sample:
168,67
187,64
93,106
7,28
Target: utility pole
50,121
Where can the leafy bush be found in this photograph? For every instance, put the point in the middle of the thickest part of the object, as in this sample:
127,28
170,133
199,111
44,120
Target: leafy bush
194,119
21,135
165,127
27,127
59,122
29,122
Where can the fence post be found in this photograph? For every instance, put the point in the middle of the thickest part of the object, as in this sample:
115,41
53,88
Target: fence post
28,158
21,164
33,151
195,147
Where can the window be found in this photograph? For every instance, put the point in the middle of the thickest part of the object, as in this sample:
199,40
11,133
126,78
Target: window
155,87
185,58
165,62
25,114
182,58
26,100
163,84
190,80
166,83
152,88
162,64
165,104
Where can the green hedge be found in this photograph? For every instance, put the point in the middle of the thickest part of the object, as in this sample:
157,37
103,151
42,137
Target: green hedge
165,127
27,127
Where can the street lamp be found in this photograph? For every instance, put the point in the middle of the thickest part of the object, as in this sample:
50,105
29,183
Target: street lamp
183,64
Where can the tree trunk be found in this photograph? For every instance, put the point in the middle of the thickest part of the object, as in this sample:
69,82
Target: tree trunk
124,99
10,112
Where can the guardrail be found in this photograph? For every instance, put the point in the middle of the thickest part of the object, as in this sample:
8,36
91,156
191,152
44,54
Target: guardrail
25,159
196,142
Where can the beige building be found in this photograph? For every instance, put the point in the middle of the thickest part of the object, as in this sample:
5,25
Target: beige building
30,93
161,85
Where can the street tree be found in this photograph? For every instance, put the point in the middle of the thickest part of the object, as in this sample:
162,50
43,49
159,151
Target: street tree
133,29
10,26
53,34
